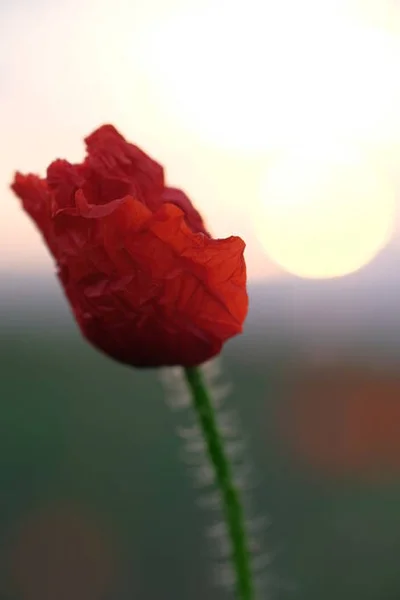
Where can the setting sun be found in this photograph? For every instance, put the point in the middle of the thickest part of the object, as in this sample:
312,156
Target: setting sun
308,82
325,213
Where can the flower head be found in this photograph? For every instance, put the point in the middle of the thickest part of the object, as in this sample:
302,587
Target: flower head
147,283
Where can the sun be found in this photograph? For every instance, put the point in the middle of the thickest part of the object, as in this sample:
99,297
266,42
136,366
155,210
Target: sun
325,212
315,84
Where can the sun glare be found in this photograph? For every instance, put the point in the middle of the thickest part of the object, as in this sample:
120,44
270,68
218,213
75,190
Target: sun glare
213,89
325,213
266,77
255,75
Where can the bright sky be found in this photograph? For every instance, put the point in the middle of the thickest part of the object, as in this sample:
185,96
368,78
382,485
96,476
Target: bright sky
280,119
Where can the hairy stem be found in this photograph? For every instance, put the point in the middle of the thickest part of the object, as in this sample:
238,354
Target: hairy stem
232,506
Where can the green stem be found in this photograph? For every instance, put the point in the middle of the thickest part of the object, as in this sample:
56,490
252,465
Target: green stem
232,506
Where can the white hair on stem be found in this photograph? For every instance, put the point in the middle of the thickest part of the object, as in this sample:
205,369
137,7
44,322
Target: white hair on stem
195,457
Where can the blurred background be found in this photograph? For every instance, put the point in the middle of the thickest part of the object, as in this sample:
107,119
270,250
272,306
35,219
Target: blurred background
281,121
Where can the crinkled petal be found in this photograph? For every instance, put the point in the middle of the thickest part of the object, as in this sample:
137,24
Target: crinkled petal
145,280
167,296
35,196
115,168
193,217
63,180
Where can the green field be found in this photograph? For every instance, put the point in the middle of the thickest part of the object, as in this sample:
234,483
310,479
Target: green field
95,491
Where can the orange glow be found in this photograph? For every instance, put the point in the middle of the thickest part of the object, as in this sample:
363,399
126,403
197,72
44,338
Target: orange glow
59,554
343,422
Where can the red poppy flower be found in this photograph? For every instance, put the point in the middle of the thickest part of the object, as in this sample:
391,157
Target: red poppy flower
147,283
